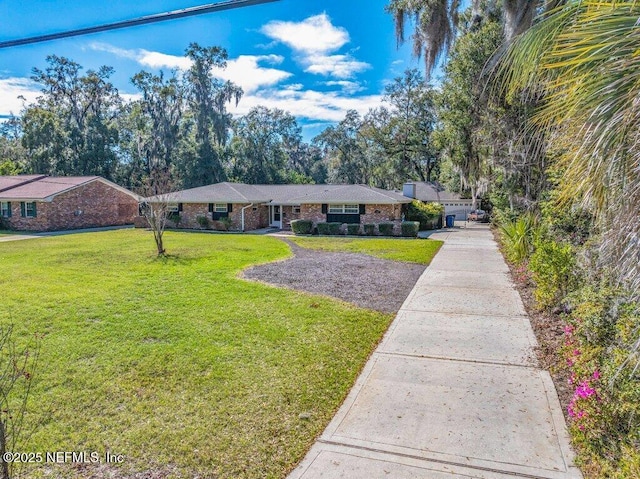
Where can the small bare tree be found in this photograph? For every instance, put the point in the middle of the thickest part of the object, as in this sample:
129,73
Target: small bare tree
156,206
16,376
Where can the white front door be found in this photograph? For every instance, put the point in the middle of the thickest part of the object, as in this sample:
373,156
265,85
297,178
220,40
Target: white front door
275,214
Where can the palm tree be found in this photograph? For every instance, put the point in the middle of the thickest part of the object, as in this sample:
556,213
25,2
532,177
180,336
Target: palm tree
582,56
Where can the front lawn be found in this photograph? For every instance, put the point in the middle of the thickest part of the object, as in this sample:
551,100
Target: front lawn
176,363
411,250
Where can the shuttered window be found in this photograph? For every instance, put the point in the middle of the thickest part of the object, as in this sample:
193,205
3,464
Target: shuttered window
28,209
5,209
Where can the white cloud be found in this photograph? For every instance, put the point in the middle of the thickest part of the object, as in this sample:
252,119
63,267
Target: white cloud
314,39
129,97
309,104
145,57
313,35
11,89
339,66
162,60
346,85
246,72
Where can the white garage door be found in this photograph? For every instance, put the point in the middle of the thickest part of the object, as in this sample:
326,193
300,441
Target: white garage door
461,210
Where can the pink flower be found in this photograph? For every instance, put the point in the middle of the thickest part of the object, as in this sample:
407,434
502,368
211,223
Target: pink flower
584,390
568,329
576,352
596,375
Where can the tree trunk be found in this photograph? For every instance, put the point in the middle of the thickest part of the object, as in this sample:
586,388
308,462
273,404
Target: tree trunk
474,197
518,16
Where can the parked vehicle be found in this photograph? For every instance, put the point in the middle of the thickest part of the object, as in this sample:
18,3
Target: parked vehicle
477,215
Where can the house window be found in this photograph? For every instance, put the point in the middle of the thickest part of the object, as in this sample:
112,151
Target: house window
173,208
295,210
5,209
28,209
344,209
220,208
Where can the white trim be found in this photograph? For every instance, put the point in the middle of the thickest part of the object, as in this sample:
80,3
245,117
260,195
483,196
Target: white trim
220,208
272,213
342,209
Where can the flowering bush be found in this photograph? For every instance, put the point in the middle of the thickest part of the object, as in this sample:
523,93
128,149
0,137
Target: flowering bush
604,411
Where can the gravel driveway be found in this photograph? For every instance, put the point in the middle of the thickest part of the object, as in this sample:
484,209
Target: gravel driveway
363,280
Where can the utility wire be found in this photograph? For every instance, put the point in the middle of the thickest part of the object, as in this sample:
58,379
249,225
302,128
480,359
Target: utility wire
158,17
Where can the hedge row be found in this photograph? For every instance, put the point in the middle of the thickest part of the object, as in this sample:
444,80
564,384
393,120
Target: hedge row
305,227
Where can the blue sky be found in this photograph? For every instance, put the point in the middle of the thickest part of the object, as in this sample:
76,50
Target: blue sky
314,58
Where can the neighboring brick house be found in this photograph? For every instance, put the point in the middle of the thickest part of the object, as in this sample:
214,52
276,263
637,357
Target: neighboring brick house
49,203
250,207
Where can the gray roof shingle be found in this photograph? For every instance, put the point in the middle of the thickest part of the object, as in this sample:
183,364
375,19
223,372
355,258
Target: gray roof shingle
286,194
433,191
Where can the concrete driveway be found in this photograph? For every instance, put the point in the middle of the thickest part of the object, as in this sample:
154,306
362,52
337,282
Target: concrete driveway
454,389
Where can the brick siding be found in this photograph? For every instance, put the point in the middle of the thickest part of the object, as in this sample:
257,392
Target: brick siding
288,216
255,217
258,216
91,205
374,214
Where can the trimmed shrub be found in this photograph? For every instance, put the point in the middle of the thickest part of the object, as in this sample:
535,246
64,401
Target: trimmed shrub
335,229
301,227
175,218
353,229
386,229
370,230
410,228
227,222
323,228
429,215
203,221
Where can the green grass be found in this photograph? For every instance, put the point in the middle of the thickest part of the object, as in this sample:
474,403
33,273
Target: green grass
410,250
177,363
6,232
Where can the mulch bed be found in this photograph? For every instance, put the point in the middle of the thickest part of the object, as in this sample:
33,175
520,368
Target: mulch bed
363,280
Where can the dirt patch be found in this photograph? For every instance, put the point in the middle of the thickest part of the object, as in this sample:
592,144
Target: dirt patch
363,280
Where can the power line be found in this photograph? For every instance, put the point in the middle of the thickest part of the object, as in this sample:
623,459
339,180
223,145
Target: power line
158,17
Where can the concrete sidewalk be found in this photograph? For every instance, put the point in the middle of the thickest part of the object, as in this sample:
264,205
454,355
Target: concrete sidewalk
453,390
23,235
